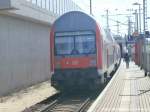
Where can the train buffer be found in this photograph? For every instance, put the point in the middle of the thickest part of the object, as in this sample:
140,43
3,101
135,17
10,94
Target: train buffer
128,91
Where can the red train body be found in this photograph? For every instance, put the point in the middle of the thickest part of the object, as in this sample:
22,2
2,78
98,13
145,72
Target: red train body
142,53
138,51
82,53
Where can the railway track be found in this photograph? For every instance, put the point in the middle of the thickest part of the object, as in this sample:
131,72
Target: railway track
68,102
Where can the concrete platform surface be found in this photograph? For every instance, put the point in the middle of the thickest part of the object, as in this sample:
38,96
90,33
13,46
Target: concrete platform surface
17,102
128,91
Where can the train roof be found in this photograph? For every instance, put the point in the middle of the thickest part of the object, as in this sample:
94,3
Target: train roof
73,21
79,21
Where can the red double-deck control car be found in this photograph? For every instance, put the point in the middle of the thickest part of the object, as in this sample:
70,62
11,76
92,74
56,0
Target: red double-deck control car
82,53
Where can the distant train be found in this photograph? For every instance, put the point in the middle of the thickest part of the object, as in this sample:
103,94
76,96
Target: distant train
142,53
82,53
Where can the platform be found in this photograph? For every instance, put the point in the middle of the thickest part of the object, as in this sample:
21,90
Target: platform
128,91
17,102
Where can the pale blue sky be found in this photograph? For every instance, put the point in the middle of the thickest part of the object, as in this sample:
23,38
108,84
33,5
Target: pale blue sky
99,7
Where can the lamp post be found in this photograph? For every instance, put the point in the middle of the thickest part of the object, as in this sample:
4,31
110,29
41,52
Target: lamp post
91,7
148,18
130,23
136,21
117,22
139,15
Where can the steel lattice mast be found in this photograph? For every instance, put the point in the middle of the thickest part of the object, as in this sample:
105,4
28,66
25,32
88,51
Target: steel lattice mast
145,26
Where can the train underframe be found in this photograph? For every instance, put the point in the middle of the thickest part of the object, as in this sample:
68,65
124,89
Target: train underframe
76,78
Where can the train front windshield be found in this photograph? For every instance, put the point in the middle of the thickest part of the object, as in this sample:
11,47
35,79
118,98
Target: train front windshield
67,44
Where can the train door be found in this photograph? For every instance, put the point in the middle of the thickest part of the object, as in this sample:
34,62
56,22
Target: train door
107,52
114,55
147,55
105,57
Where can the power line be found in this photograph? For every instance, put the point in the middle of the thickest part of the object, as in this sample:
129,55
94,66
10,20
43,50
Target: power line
114,20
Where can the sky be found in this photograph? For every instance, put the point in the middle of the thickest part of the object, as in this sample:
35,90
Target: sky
99,8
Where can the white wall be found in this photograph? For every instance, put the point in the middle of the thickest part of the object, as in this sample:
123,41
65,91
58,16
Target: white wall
4,4
26,10
24,53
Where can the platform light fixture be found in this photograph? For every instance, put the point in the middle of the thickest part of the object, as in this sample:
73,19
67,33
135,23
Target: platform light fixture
136,3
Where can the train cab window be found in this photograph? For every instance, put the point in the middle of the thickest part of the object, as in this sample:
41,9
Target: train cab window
75,43
64,45
85,44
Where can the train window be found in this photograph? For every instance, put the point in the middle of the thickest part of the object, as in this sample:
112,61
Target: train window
85,44
64,45
74,43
